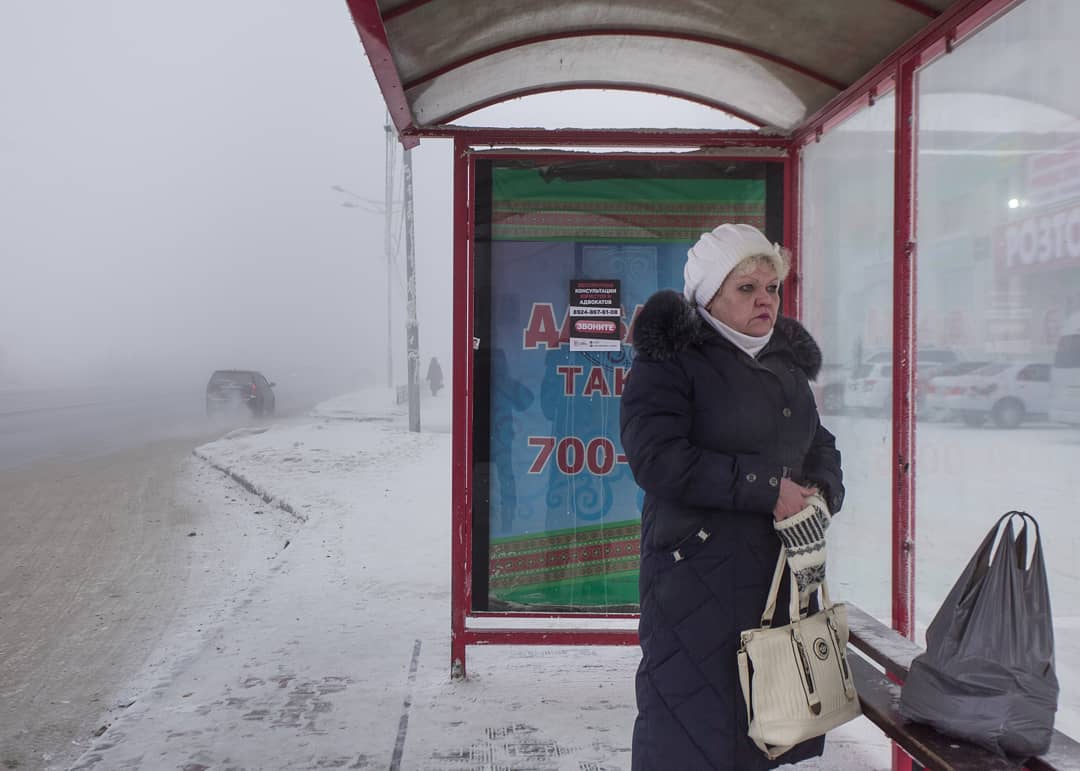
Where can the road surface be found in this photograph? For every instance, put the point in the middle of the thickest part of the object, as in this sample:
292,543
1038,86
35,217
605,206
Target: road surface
93,556
99,530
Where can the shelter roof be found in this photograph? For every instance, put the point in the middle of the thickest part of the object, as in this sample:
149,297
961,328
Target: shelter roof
773,63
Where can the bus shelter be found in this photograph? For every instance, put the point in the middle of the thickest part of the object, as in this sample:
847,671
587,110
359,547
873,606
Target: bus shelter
917,158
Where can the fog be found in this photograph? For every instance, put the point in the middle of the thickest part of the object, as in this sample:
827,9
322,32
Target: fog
166,175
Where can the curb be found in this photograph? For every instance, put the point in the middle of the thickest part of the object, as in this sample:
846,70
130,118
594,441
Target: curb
250,486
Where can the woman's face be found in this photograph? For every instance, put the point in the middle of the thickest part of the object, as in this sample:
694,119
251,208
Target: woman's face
748,303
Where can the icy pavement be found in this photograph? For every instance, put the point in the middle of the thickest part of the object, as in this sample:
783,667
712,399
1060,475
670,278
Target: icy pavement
317,632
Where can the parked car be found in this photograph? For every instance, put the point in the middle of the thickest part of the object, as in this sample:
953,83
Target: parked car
924,357
828,389
1065,374
232,389
870,385
869,388
1007,393
925,380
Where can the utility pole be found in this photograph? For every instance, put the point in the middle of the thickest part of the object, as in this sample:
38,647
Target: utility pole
412,329
389,253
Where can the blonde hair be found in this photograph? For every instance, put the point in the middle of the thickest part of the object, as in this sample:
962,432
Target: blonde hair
779,261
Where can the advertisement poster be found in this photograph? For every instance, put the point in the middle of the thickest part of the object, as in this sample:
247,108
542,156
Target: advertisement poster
595,315
563,511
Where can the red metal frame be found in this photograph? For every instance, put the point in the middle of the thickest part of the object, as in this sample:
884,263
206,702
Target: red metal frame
792,175
914,5
412,5
549,637
628,32
369,23
575,137
461,546
557,155
904,347
601,86
461,412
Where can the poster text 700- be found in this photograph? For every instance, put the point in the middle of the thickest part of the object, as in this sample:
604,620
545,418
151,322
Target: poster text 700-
573,455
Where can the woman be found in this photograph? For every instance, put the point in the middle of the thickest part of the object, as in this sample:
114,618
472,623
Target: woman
434,376
721,431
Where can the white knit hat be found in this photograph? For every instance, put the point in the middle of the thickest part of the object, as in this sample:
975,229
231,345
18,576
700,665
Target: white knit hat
709,261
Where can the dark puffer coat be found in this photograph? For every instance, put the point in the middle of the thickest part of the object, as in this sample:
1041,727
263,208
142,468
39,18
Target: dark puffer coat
709,432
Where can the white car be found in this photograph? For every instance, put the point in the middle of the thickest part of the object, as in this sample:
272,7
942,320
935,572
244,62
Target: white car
926,379
1007,393
1065,375
828,388
869,388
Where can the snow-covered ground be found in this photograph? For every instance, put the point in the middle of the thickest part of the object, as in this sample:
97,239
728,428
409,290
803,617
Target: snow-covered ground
315,633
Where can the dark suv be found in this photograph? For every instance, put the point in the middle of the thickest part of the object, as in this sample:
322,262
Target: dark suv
229,389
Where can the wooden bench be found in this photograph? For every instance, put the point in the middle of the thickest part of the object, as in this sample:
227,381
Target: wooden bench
880,697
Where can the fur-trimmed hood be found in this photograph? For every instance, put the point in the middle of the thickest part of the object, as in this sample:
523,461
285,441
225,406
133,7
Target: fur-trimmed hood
669,324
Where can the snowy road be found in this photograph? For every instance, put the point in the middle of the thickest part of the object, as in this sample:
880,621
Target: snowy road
70,424
102,562
73,424
92,558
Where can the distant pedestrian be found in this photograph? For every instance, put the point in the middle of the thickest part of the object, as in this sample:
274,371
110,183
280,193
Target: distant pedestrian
434,376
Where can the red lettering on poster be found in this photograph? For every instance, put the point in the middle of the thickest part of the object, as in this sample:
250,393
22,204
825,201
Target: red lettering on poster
572,455
569,373
546,445
596,382
620,379
541,329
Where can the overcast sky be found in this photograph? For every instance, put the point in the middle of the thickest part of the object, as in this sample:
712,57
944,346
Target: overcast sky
165,184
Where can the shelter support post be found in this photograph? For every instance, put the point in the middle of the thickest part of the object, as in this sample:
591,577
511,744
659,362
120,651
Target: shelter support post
904,349
792,202
460,548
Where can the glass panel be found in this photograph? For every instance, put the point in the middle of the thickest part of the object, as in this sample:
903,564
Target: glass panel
999,280
556,518
847,307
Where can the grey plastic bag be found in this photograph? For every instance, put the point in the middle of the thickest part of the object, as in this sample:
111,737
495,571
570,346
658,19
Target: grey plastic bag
987,675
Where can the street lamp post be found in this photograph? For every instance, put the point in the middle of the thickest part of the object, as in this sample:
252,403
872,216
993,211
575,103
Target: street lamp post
389,252
412,328
359,202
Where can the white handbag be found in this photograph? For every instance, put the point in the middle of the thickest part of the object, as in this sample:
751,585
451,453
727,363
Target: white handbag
795,678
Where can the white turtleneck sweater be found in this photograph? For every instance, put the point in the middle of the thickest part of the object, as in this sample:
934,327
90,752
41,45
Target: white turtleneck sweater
752,345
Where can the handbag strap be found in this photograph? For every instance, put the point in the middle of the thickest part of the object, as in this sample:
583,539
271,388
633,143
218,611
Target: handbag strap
795,610
774,589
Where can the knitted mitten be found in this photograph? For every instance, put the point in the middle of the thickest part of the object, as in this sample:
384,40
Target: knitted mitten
803,536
